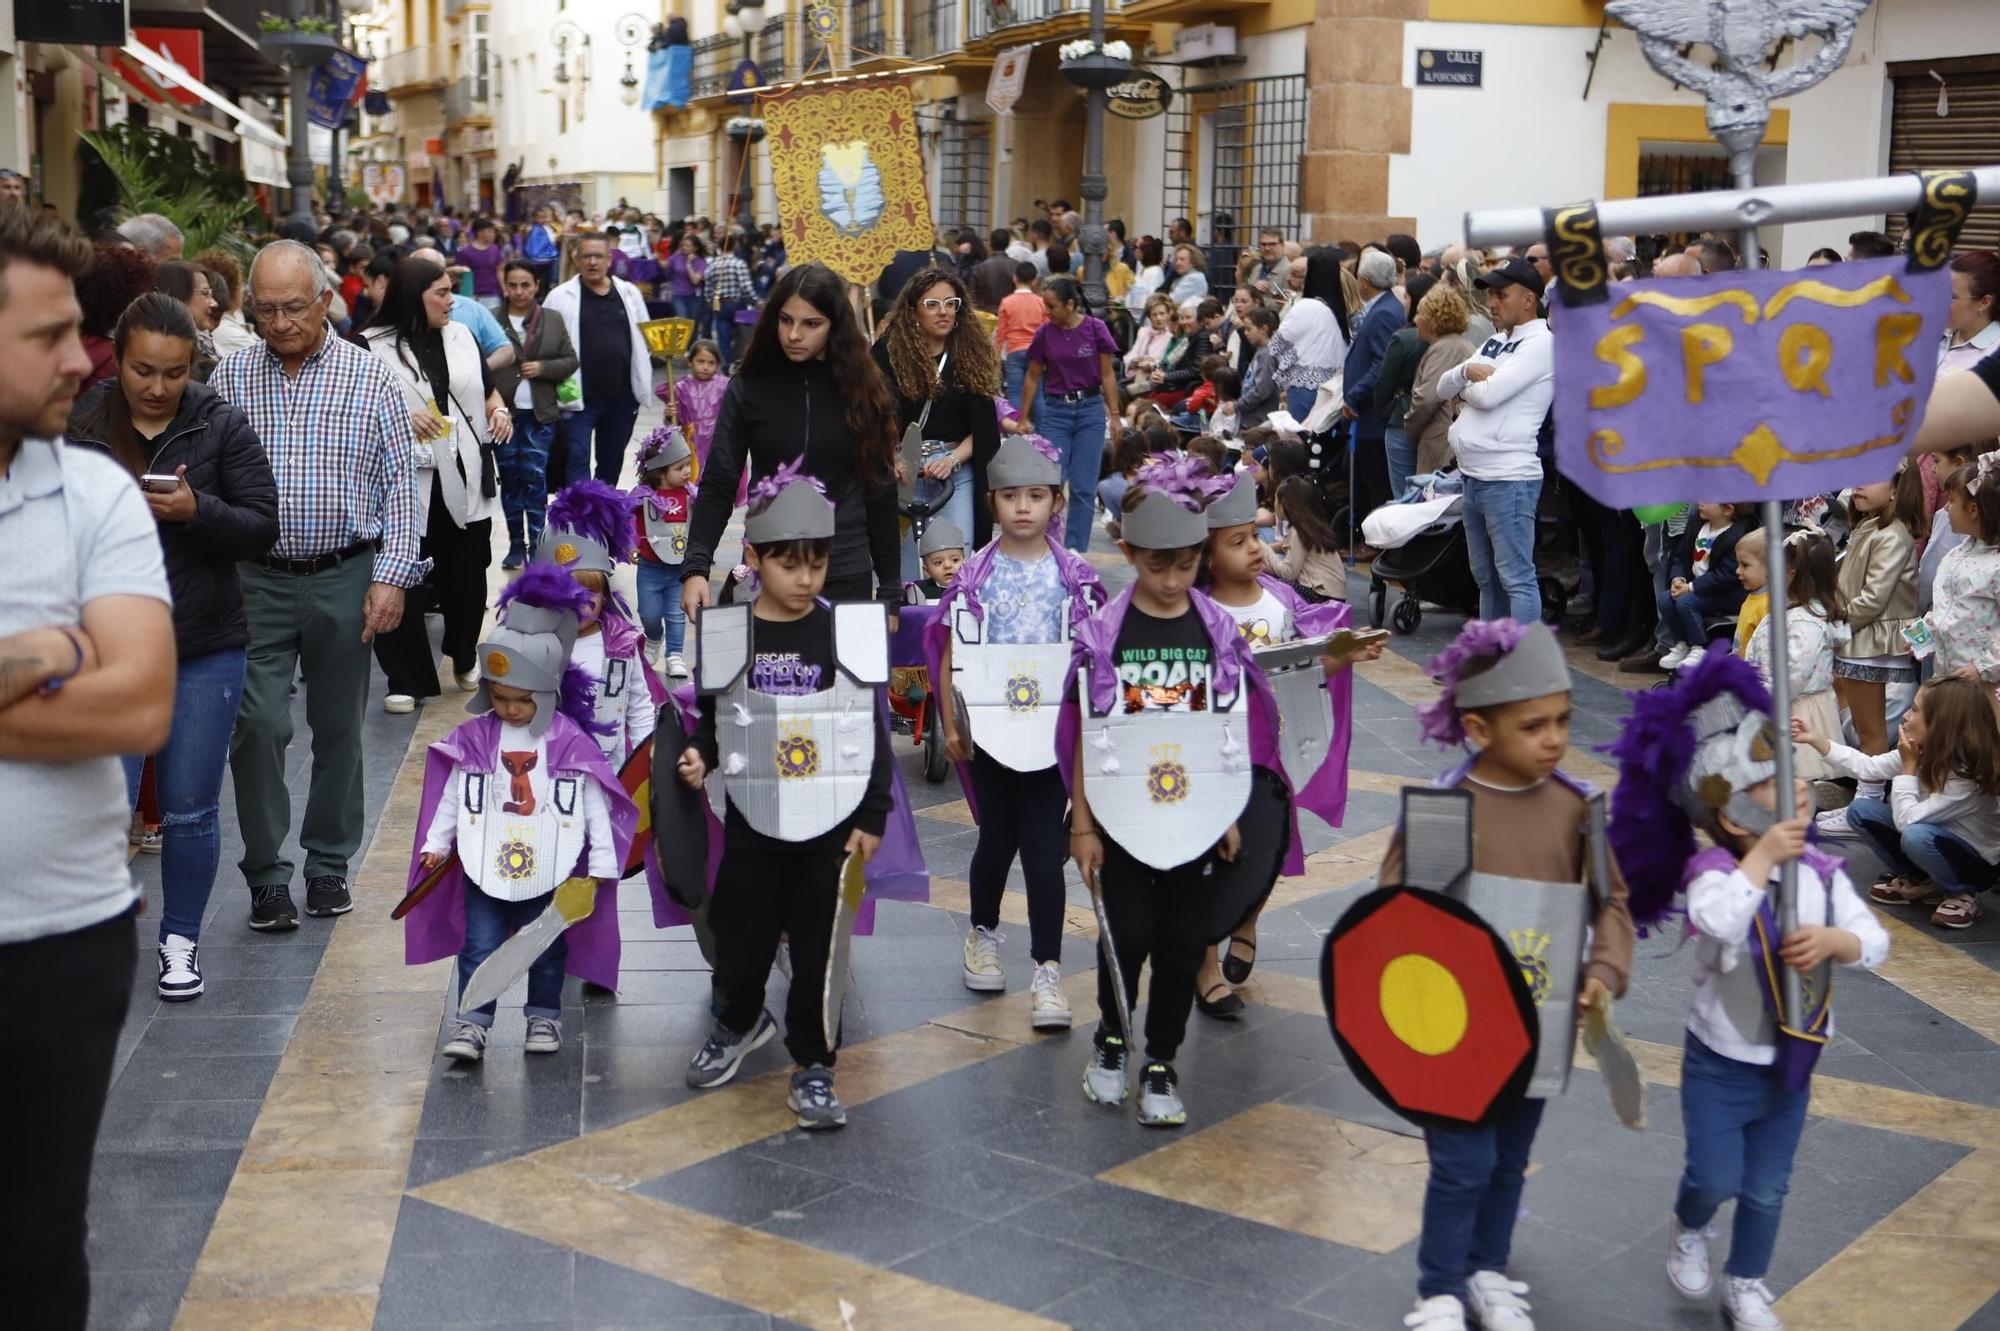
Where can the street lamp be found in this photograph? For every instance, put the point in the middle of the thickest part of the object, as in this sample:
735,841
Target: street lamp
564,34
631,30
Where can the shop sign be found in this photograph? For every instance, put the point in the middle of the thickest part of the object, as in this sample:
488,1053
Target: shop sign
179,47
1140,97
1450,69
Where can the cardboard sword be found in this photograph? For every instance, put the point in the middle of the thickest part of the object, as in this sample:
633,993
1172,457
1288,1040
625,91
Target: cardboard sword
573,901
847,905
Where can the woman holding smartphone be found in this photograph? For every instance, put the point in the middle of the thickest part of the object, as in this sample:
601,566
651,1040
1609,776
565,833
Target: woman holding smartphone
207,480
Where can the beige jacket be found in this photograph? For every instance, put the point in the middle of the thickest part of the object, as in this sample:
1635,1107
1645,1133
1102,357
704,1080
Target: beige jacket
1322,570
1427,424
1878,580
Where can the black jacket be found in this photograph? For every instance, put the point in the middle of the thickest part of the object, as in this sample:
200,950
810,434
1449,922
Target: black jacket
954,415
766,421
1717,586
236,509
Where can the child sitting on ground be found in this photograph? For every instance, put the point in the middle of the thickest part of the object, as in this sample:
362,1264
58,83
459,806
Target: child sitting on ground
1310,556
1703,583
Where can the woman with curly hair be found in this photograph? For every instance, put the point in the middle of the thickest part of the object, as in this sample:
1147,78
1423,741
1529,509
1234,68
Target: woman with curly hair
807,391
943,373
117,276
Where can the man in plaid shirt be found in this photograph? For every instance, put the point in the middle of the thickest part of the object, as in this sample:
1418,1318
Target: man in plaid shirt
341,445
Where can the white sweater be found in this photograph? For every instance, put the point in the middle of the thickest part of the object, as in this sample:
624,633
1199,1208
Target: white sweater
1961,807
1498,425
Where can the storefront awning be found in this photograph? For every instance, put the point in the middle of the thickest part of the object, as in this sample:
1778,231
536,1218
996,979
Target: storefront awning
139,98
246,124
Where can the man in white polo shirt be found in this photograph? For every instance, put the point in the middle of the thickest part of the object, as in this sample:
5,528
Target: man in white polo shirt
86,674
1505,391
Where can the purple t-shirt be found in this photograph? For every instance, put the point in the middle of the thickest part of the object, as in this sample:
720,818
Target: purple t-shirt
1068,356
485,266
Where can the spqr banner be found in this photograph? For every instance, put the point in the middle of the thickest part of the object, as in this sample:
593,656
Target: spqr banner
849,173
1746,385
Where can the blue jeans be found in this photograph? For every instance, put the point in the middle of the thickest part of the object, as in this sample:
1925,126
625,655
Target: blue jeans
1922,850
1472,1198
1742,1129
660,603
1687,615
611,422
689,307
524,482
1077,431
1402,459
1299,402
1014,378
489,922
725,329
188,773
1500,529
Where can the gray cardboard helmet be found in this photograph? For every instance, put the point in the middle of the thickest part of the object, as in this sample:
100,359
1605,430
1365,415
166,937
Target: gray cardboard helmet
671,450
1235,507
798,512
522,657
1735,749
940,535
1018,463
1534,669
1158,522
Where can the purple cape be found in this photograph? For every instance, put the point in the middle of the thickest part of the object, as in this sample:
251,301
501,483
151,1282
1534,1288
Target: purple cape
1097,643
623,638
1079,579
436,928
1326,793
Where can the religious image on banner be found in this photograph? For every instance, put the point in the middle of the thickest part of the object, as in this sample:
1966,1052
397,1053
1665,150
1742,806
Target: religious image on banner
1745,386
849,173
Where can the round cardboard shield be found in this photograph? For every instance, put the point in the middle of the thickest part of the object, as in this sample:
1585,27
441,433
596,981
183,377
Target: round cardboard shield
1429,1007
1237,888
680,815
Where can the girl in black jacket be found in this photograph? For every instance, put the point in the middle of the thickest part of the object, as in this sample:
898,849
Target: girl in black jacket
209,485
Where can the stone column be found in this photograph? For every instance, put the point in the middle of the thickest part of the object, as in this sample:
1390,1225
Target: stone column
1359,115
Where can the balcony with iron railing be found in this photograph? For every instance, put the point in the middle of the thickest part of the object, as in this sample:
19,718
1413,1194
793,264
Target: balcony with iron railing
412,69
868,29
711,61
931,27
988,18
468,99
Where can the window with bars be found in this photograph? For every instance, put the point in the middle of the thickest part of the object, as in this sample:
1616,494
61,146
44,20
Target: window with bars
866,28
1232,160
959,198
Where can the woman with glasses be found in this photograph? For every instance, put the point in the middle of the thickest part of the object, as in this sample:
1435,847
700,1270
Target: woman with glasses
944,374
459,417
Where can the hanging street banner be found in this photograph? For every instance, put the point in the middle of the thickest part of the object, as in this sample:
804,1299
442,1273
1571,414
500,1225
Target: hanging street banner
1744,385
1009,76
849,173
333,88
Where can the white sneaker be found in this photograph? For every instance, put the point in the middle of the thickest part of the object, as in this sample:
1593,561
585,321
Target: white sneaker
983,972
1746,1306
1496,1302
1441,1313
1693,658
677,666
468,680
180,970
1833,823
399,704
1049,1009
1687,1261
1672,660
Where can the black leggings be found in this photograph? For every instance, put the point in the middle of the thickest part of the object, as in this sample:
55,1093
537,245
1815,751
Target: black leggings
457,586
764,888
69,994
1020,812
1154,915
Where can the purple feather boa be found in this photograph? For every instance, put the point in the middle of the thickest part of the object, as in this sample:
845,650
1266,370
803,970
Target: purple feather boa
578,701
770,487
1650,833
597,512
1479,640
1185,479
1043,446
546,586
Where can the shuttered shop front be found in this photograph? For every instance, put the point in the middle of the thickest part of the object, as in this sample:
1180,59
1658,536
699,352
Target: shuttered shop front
1968,136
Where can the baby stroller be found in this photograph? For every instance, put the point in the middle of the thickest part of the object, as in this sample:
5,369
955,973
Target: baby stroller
911,696
1433,564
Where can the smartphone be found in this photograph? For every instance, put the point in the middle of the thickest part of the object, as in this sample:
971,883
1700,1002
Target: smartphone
155,484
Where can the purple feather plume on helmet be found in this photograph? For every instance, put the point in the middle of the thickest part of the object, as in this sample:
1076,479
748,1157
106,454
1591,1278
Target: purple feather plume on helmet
597,512
1042,446
769,488
547,586
578,701
655,442
1651,834
1479,640
1185,479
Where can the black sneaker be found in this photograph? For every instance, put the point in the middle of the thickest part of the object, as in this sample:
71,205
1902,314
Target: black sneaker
724,1051
327,895
271,908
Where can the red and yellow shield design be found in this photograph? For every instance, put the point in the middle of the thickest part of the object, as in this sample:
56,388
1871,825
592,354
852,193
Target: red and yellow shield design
1429,1007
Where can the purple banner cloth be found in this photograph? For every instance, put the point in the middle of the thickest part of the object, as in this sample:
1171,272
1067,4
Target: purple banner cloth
1746,386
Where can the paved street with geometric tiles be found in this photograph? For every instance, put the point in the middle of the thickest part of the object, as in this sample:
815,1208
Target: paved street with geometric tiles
329,1170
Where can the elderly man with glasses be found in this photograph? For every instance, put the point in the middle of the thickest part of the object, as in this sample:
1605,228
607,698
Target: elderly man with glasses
342,448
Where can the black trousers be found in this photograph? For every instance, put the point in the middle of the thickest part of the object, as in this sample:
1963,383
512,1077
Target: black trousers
765,888
71,992
1157,916
457,588
1371,477
1020,813
850,587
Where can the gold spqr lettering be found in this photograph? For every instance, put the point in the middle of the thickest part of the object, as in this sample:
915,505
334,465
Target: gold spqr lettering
1893,335
1616,348
1703,345
1805,353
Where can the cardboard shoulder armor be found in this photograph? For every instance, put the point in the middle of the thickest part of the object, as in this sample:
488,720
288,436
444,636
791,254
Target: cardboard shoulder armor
512,845
1010,692
1545,925
667,540
795,766
1166,785
1305,709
